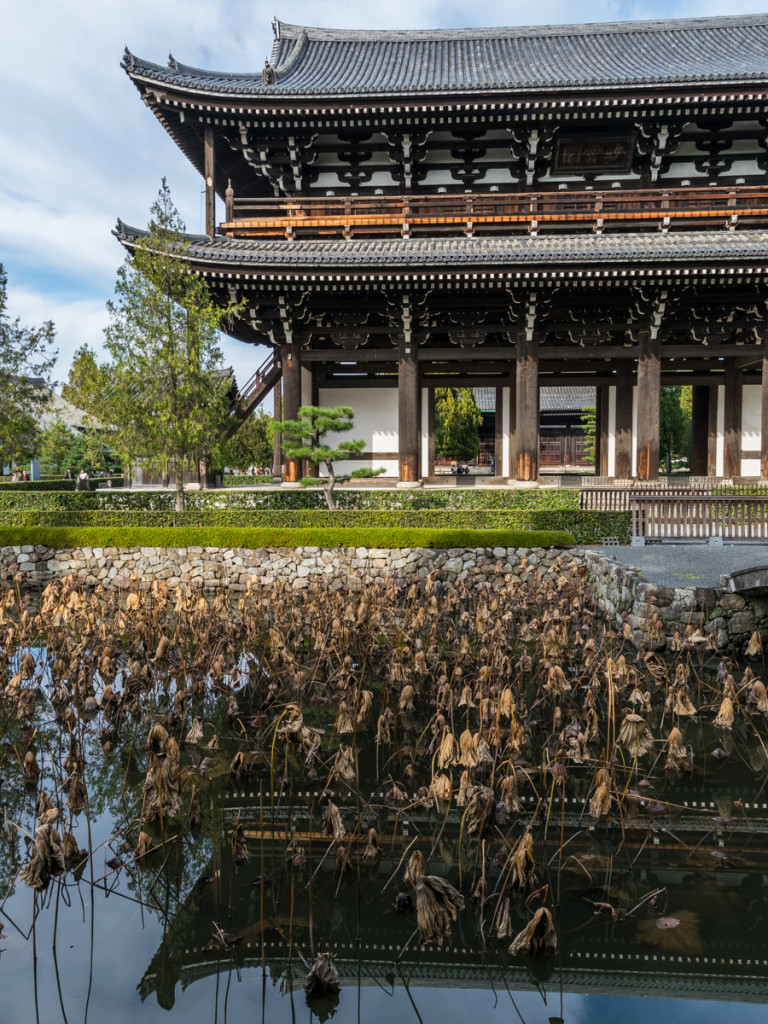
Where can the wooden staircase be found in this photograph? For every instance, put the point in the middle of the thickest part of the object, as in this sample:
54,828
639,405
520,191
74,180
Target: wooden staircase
255,390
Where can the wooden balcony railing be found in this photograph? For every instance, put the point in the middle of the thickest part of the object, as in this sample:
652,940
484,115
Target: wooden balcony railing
485,212
678,517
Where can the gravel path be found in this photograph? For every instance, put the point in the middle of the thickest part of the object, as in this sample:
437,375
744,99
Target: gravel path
688,565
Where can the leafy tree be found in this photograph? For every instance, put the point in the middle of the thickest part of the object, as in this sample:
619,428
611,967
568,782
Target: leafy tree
674,434
160,394
251,445
26,361
589,426
302,438
457,419
64,448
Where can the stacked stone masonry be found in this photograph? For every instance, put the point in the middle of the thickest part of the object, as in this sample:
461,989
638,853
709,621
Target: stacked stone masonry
620,593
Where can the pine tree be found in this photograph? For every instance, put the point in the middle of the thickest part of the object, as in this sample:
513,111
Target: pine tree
160,393
26,362
457,419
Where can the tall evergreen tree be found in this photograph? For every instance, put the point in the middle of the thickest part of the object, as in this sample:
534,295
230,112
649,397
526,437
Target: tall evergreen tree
27,359
160,392
457,419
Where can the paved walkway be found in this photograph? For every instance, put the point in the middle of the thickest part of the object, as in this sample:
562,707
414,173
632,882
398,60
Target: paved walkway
688,565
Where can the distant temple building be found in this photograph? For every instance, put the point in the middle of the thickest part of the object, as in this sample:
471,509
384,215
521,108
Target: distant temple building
579,206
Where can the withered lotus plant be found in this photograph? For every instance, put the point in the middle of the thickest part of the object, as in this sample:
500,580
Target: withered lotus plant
724,719
538,938
332,823
677,755
437,904
323,977
600,804
676,933
48,858
634,735
523,864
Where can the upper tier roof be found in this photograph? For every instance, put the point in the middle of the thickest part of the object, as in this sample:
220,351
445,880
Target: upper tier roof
330,62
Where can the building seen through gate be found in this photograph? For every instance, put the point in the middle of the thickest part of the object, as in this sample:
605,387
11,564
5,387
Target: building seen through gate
578,206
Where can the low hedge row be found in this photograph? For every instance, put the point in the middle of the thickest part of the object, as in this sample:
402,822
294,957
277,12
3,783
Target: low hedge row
36,486
586,527
62,538
247,480
303,500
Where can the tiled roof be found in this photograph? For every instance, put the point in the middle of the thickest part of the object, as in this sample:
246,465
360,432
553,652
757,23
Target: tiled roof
331,62
319,256
565,399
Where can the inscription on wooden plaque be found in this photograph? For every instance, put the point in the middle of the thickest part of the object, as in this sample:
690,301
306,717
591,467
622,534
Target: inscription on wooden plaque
593,154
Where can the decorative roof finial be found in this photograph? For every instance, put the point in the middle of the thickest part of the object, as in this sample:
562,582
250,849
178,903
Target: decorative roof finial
172,62
127,62
268,76
276,27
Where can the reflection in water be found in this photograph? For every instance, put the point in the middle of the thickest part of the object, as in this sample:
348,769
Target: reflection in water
201,800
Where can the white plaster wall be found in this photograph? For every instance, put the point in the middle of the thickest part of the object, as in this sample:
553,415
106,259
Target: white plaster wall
634,431
505,469
720,458
306,386
375,423
750,427
611,431
424,430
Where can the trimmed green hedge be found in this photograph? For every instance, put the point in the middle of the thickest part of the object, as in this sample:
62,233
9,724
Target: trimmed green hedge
36,486
303,500
586,527
247,480
175,537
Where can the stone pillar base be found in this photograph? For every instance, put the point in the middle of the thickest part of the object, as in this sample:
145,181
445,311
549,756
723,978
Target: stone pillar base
409,485
291,485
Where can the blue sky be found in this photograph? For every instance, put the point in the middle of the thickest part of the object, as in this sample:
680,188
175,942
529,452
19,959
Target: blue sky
78,148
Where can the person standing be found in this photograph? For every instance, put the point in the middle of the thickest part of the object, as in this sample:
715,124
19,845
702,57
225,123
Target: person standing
82,480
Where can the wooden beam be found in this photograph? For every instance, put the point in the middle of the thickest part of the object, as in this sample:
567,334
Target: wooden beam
699,429
289,357
597,354
527,431
648,406
408,418
732,420
210,182
624,400
430,432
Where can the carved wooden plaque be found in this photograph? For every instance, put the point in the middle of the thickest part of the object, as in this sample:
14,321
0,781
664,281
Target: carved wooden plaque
593,154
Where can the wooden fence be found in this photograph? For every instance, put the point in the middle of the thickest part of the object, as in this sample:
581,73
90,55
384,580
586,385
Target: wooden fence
699,517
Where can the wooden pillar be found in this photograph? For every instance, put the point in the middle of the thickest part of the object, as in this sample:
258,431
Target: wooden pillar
210,184
510,469
598,427
498,439
430,432
277,414
699,429
289,357
764,415
648,405
527,429
409,418
714,392
732,421
604,399
624,398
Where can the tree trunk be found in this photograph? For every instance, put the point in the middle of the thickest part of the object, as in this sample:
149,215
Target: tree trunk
329,487
179,466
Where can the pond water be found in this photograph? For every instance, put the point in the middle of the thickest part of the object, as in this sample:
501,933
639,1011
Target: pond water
296,724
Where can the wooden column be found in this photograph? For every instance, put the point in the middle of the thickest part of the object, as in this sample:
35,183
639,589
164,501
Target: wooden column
409,418
732,421
648,405
598,427
498,440
624,398
604,399
289,357
764,415
714,392
699,429
430,432
527,429
277,413
210,184
510,469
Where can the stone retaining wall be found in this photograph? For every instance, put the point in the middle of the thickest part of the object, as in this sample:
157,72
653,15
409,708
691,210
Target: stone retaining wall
620,592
